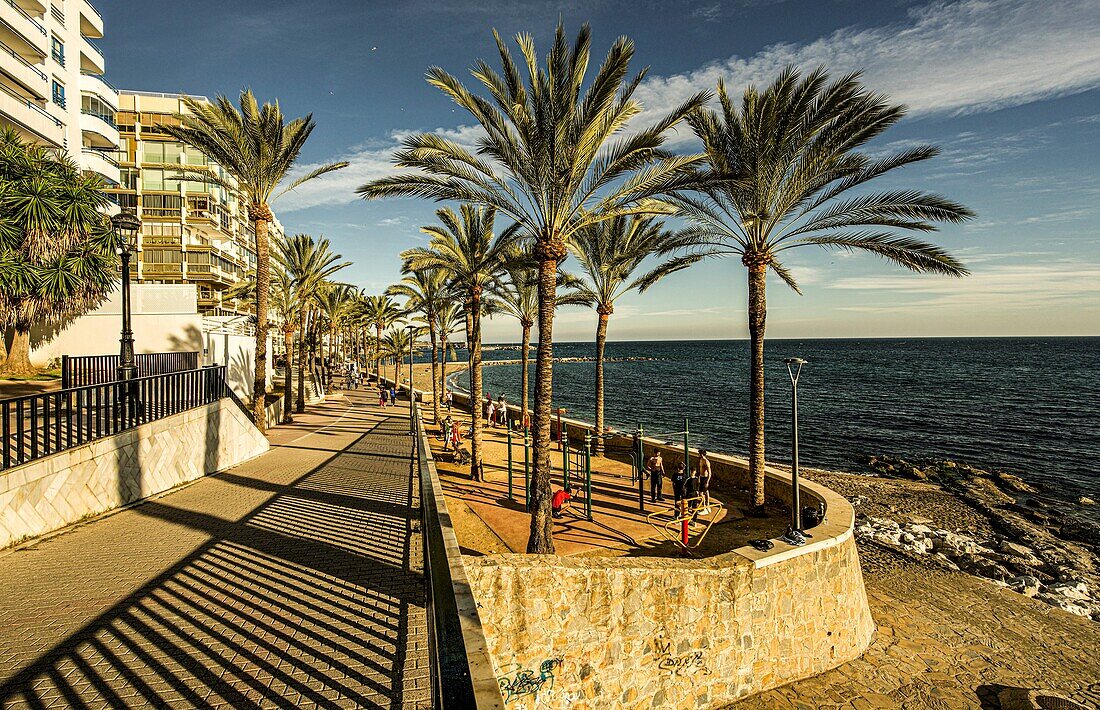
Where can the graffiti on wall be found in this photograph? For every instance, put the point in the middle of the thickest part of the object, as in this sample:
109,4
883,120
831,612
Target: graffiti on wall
519,682
682,663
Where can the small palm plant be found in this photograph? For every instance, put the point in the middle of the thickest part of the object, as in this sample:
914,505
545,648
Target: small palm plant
608,254
787,159
473,258
554,158
258,148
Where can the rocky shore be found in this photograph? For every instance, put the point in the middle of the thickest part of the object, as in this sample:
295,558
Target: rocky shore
990,524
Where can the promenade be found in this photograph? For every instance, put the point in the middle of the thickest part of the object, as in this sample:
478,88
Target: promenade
292,580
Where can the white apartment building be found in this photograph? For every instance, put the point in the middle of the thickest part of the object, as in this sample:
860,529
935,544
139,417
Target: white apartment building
52,87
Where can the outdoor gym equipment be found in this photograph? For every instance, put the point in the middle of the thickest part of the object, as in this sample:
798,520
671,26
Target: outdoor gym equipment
526,469
676,528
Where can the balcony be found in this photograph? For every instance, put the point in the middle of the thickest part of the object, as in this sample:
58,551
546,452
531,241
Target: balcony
21,31
31,117
99,129
91,23
100,162
155,269
91,57
32,79
95,84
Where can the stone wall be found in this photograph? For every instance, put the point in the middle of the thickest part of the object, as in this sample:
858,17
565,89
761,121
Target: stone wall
637,632
61,489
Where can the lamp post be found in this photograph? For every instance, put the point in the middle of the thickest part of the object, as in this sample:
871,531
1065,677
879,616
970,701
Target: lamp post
794,535
412,341
126,226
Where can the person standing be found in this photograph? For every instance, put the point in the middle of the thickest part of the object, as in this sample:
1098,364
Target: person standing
679,478
449,399
502,411
393,395
655,465
703,472
491,414
382,394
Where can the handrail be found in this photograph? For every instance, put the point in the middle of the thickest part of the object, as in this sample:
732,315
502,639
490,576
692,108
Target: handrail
109,120
30,19
102,154
462,673
92,44
23,61
97,75
93,9
30,104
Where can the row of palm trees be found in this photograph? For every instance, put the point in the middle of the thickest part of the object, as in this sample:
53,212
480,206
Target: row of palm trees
562,157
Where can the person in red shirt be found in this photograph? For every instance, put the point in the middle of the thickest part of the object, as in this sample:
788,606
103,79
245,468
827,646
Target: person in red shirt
561,501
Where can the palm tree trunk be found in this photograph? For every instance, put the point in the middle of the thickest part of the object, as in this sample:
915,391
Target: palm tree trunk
601,340
435,371
378,354
475,385
541,539
18,362
758,311
300,403
288,376
523,379
443,357
261,217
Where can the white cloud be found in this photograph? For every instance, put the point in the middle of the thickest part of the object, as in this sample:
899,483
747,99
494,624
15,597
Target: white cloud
962,57
1073,285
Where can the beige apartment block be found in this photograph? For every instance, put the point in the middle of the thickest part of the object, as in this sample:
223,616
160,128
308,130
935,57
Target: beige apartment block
192,232
52,85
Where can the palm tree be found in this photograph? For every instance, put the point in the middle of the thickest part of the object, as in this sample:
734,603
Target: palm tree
551,159
308,263
396,345
258,148
788,156
473,258
451,317
380,312
57,255
425,293
609,253
333,301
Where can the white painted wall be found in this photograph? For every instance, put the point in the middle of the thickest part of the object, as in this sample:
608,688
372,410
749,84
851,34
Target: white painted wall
165,319
238,354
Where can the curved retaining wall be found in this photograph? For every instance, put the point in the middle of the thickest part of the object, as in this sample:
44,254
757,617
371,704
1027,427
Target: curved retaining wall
645,632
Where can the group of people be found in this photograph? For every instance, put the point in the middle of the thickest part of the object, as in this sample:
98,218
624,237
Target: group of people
387,396
353,376
689,490
451,432
496,412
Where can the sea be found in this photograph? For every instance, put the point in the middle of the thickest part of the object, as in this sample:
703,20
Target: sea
1029,406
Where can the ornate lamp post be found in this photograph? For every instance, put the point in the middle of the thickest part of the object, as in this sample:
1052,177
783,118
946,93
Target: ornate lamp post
126,226
794,535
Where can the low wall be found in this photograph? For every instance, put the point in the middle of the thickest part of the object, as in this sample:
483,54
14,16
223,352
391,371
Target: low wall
61,489
636,632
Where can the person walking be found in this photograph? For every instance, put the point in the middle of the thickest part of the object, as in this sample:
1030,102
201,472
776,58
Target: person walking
655,466
449,398
393,395
382,393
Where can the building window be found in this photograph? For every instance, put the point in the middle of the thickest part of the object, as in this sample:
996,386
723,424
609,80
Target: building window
92,105
57,50
59,93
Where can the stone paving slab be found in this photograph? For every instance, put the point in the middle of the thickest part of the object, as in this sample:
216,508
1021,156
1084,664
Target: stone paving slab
294,580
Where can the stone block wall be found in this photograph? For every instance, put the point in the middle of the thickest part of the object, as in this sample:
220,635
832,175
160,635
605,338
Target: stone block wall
642,633
61,489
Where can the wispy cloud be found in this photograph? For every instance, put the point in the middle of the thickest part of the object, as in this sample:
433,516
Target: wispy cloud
961,57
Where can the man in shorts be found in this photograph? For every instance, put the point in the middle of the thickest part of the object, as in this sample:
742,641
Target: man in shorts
702,470
679,478
655,465
561,501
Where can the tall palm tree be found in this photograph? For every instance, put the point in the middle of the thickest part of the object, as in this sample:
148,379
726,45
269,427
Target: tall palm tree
473,258
258,148
333,302
380,312
554,159
57,255
789,156
395,346
307,262
451,318
425,293
609,253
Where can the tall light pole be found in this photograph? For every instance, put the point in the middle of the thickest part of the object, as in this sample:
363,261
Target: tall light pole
794,535
412,341
126,226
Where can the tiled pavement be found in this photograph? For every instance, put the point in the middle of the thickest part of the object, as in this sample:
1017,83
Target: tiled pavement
291,580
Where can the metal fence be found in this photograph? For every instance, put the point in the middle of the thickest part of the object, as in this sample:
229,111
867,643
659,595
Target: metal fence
456,653
86,370
42,424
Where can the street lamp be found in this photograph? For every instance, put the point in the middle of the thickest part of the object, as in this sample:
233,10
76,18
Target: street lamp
412,341
794,535
126,226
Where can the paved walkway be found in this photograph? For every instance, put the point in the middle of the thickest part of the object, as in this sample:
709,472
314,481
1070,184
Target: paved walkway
291,580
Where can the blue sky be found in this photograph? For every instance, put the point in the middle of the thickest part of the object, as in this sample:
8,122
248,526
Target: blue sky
1010,89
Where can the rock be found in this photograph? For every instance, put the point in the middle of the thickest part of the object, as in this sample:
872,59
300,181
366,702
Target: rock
945,561
1078,591
1085,500
1026,585
1013,549
954,545
1084,531
1013,483
1064,604
919,529
917,474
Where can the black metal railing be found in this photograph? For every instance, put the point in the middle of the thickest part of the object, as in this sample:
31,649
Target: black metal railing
38,425
449,659
83,370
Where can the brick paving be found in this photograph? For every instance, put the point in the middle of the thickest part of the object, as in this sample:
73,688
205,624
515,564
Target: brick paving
293,580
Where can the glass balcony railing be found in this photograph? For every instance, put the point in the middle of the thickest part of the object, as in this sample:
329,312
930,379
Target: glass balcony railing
102,78
106,118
